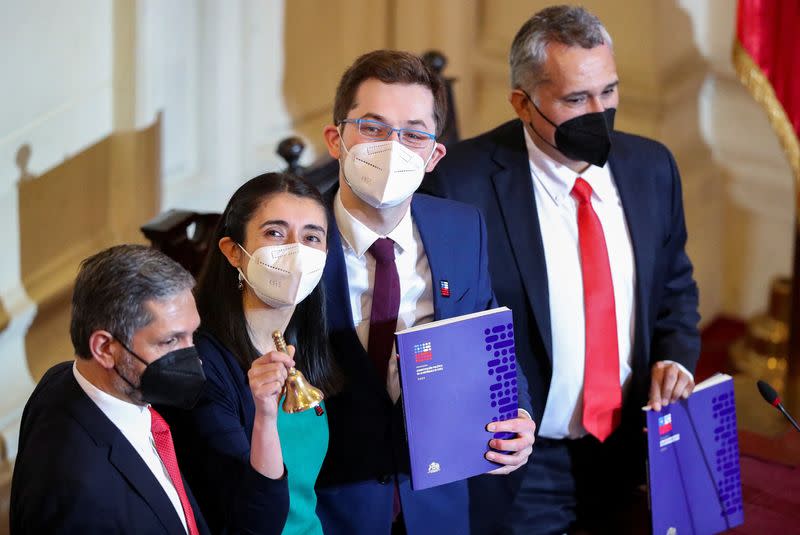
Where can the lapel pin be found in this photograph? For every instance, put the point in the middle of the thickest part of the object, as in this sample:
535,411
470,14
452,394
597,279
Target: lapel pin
444,288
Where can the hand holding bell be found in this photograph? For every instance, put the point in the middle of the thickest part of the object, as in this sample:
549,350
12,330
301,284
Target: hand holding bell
300,395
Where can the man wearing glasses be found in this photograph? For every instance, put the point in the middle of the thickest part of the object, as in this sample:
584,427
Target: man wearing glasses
397,260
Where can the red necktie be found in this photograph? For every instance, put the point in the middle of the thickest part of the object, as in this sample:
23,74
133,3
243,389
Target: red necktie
166,450
602,394
383,319
385,305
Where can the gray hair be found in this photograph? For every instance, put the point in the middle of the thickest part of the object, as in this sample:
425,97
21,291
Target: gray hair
568,25
113,287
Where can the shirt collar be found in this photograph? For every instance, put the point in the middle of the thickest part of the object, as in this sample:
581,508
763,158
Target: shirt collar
558,179
358,237
128,417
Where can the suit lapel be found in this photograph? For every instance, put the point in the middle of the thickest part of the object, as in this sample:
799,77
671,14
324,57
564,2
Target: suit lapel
514,190
337,289
438,258
636,195
124,457
132,467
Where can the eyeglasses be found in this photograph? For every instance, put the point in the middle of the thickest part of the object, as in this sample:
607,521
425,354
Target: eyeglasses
415,139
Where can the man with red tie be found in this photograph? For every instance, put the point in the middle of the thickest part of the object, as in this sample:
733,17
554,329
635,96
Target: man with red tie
94,456
587,247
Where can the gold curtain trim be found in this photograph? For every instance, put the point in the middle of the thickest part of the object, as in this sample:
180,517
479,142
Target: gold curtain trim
753,78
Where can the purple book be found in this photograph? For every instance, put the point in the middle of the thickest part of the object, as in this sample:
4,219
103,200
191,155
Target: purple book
457,375
693,451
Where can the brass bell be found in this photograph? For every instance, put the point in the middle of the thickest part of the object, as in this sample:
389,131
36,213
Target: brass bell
300,395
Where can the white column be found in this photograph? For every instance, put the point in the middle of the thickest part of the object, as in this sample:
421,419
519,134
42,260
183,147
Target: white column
219,81
167,54
222,93
266,121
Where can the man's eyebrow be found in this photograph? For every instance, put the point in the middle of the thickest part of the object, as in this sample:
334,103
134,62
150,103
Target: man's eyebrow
410,122
587,93
418,122
575,94
374,116
178,334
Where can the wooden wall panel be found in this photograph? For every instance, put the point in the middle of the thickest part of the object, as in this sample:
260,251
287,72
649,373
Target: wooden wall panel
95,199
321,40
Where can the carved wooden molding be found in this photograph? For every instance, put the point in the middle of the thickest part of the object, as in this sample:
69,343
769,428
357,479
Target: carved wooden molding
95,199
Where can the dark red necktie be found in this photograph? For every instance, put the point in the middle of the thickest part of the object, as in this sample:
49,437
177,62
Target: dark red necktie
385,306
383,319
166,450
602,393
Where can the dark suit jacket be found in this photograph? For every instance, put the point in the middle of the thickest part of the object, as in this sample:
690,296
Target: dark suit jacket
76,473
492,172
367,439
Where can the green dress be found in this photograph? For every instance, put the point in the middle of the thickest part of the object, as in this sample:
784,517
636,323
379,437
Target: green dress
304,441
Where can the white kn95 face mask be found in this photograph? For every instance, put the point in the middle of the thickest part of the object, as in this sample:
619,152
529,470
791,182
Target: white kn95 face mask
283,275
383,173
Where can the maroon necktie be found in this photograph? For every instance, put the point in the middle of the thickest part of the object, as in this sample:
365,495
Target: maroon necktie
385,305
383,319
166,450
602,394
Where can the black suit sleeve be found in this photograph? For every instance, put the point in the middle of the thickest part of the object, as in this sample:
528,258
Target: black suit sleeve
68,506
260,506
675,336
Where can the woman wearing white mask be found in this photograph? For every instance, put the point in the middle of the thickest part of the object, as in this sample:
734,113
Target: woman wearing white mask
263,277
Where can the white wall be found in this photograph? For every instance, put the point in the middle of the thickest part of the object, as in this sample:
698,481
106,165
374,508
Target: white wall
76,71
56,94
56,97
56,91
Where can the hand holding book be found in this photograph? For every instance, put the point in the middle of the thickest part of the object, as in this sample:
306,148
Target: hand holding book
517,449
669,382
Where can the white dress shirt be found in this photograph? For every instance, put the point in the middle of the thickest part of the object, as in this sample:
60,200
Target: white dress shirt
552,184
416,288
133,421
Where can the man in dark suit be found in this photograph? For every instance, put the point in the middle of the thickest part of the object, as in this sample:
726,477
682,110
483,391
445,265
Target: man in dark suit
587,247
94,457
390,253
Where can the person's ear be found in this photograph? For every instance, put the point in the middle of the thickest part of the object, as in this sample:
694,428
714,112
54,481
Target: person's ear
521,104
438,153
333,140
102,346
232,251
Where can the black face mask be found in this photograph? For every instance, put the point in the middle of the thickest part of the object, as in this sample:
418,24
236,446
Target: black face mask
176,379
585,138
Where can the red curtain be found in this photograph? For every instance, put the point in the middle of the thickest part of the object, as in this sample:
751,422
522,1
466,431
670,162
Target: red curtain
767,59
